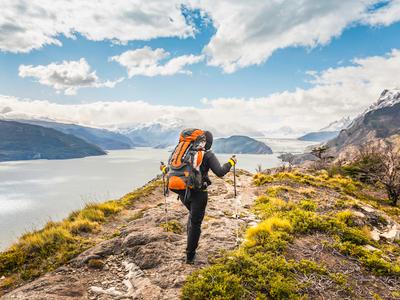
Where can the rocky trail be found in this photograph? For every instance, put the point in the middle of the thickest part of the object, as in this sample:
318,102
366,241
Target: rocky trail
143,260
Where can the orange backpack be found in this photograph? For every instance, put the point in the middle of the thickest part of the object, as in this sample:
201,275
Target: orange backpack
184,162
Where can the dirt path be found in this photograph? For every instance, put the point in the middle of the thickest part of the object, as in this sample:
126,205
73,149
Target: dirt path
143,261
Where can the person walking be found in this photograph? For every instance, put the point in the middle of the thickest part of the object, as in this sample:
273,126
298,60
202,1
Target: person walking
195,197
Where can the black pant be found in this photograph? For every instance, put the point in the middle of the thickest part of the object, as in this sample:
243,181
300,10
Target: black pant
196,203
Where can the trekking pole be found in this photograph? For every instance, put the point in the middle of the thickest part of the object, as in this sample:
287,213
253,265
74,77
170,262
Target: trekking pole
165,195
236,203
234,177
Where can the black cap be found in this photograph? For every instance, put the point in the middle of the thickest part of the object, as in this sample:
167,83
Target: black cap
209,139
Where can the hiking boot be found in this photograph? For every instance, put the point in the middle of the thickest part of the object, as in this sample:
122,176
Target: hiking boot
190,258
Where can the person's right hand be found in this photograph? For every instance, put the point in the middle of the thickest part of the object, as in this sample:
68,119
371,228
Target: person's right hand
233,160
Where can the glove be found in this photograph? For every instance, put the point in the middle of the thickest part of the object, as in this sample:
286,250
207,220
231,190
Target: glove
163,168
233,160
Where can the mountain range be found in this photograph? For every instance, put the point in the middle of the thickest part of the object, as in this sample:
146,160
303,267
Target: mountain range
381,121
19,141
105,139
44,139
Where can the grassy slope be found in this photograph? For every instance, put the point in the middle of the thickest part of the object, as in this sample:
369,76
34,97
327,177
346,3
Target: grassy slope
41,251
310,237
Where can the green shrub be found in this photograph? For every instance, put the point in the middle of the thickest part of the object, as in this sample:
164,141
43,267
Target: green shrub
354,235
92,214
308,267
267,206
283,288
108,208
214,282
376,264
172,226
308,204
44,242
261,179
82,226
346,217
306,221
267,229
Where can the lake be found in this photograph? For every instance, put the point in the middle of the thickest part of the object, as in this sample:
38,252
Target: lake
37,191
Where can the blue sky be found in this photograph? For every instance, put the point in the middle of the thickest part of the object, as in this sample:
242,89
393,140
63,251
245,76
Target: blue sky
240,54
285,70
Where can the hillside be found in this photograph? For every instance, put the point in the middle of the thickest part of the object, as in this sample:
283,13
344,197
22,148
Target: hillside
105,139
381,121
20,141
240,144
303,235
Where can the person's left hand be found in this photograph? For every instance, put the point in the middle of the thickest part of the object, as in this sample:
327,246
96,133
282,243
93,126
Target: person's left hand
163,168
233,160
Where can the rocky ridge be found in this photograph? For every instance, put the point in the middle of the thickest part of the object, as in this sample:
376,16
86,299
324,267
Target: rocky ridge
144,261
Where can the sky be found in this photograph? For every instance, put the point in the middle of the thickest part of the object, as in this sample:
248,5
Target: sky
239,66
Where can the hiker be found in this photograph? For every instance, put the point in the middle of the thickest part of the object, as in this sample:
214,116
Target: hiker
187,175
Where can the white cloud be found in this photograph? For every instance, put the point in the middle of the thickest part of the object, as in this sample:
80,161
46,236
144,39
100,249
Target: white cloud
250,31
336,92
27,25
68,76
146,61
385,16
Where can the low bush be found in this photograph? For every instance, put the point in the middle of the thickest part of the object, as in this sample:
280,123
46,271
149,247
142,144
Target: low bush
82,226
258,268
172,226
92,214
215,282
308,204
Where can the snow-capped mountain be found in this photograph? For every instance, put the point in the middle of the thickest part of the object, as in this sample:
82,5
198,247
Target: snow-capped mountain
162,133
327,133
338,125
388,98
381,121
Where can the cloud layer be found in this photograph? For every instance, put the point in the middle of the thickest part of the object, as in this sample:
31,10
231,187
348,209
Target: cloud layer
336,92
27,25
67,76
248,32
146,61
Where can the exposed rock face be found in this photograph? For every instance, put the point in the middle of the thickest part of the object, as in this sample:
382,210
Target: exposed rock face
240,144
144,261
391,230
380,121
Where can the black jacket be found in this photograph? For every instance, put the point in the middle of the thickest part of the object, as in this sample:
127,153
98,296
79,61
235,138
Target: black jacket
210,161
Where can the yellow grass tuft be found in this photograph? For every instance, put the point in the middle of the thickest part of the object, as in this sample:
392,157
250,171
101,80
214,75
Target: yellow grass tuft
82,225
260,233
